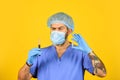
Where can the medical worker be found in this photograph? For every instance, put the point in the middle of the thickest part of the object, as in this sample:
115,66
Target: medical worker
62,60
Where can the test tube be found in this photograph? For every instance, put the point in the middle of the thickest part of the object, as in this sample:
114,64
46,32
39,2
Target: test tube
39,43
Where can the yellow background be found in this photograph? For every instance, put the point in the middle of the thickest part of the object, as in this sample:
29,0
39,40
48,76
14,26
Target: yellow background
23,23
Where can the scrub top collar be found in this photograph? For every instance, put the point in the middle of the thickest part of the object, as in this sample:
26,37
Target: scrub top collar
67,52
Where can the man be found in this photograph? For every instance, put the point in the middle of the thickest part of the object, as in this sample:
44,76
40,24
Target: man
62,60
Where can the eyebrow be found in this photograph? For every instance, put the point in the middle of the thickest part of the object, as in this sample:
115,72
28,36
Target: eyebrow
58,27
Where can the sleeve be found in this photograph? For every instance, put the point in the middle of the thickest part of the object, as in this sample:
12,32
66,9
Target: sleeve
34,68
87,63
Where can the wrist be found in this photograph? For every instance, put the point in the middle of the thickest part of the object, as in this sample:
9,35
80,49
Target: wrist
29,65
91,53
88,51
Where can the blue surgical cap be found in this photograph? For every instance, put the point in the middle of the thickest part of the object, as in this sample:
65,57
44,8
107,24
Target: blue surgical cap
61,18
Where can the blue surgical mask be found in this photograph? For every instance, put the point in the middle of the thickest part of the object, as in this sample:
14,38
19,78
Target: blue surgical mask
57,37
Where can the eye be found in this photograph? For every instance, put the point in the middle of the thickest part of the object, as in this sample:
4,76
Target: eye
61,28
52,28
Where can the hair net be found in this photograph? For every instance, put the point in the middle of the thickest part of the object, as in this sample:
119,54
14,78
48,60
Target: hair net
61,18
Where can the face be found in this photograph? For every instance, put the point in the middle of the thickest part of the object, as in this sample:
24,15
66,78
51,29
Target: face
60,27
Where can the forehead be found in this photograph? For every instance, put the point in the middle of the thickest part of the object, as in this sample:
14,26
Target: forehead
56,25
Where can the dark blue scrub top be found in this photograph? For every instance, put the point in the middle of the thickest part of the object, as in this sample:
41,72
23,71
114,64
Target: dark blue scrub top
71,65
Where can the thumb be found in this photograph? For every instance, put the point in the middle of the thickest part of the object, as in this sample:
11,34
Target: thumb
76,47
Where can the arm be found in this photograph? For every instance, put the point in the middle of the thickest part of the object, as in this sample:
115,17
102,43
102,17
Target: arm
99,68
24,73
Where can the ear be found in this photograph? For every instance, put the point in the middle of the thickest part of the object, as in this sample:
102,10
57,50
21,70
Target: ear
69,31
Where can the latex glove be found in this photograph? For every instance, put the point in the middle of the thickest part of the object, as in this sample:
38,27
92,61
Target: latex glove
32,55
82,45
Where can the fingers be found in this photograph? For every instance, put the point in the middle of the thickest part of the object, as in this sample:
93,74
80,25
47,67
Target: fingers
35,49
76,47
34,52
77,36
74,39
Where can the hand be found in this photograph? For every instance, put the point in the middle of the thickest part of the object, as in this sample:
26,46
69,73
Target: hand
32,55
82,45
